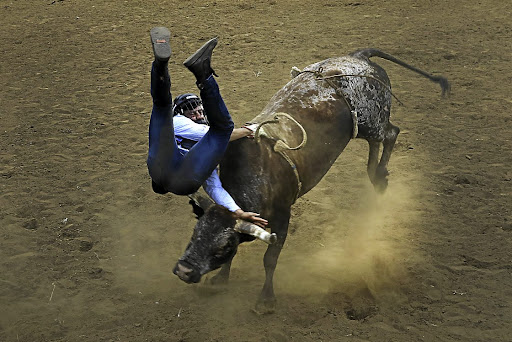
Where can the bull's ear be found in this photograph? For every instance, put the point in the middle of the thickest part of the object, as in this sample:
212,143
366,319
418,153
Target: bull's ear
200,203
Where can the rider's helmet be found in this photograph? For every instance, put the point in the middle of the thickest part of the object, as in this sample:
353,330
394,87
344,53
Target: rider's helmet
184,102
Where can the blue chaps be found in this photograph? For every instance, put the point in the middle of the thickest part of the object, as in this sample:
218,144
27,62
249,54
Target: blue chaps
169,169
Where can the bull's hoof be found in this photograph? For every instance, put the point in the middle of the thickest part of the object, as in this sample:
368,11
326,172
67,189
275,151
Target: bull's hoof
207,287
380,182
381,185
265,307
217,280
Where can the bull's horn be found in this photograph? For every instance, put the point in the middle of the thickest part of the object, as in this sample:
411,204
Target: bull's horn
256,231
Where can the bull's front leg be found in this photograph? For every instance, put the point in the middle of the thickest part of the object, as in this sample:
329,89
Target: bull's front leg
222,277
267,300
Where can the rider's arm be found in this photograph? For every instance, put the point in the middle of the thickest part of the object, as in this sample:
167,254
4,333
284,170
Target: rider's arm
239,133
214,189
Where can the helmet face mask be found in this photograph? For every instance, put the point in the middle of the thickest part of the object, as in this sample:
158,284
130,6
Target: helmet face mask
191,106
185,102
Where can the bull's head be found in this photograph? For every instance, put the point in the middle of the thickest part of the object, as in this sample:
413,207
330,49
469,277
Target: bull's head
215,240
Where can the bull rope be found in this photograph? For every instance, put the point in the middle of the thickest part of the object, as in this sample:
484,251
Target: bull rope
320,76
281,147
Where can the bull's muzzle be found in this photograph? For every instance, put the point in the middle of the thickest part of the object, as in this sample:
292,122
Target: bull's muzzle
187,274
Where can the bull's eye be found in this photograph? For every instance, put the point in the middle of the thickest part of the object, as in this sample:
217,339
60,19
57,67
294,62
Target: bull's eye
223,250
219,254
224,247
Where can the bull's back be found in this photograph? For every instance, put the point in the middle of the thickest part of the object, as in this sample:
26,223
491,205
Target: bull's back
323,99
322,113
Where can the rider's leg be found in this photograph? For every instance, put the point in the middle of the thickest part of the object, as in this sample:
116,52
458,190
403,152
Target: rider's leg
170,170
163,154
204,157
199,64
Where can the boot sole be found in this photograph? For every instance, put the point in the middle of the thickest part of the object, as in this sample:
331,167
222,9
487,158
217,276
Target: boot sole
160,37
206,49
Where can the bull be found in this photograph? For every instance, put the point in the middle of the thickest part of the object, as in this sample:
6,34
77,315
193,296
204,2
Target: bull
328,103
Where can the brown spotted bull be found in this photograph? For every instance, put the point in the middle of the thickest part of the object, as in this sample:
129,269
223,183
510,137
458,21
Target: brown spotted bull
303,129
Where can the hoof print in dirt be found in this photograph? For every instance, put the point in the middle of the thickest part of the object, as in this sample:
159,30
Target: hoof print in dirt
361,306
462,180
96,272
30,224
70,231
360,312
507,227
84,244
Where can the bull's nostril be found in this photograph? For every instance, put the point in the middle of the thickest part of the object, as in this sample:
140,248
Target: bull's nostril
181,275
184,269
183,272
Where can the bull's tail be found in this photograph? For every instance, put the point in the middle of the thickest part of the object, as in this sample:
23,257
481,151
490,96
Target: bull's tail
368,53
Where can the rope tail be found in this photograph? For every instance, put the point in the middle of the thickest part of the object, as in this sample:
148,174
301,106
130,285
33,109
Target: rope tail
368,53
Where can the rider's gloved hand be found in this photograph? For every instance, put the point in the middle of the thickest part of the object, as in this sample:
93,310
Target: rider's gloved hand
252,128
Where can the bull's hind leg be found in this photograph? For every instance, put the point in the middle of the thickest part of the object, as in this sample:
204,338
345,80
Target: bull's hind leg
380,180
373,159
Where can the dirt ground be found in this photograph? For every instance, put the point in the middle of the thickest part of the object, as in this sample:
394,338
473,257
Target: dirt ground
86,248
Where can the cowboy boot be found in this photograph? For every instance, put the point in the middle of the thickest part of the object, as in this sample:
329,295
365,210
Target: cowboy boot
199,62
160,37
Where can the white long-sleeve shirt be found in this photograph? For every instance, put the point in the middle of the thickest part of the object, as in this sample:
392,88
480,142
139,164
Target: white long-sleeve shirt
185,128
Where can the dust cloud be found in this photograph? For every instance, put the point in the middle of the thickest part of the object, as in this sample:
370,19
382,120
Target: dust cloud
363,248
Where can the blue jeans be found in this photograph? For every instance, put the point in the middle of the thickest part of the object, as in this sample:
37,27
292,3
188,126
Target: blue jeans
169,169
